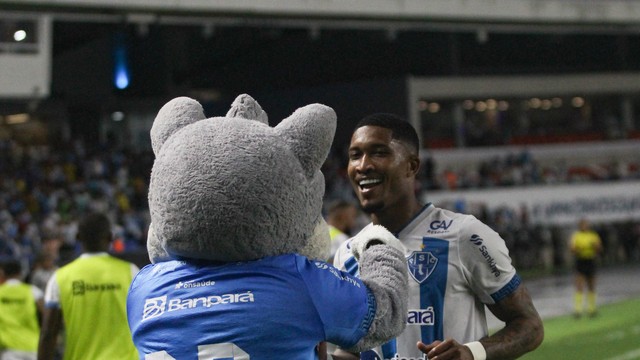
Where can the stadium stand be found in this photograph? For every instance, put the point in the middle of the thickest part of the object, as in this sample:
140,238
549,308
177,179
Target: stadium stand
505,100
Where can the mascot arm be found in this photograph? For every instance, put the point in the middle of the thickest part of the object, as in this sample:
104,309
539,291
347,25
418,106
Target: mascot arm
383,269
373,235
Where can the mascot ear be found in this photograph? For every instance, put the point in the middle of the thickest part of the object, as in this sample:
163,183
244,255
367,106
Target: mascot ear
244,106
172,117
309,133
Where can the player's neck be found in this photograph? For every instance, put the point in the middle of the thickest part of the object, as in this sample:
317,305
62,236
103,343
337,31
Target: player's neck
397,217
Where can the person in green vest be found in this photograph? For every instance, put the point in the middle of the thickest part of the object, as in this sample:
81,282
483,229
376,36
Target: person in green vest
88,297
20,306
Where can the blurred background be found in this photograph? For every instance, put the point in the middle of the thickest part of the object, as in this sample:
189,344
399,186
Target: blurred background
528,110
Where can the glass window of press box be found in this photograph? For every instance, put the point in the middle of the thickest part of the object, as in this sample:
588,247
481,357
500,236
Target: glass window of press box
535,120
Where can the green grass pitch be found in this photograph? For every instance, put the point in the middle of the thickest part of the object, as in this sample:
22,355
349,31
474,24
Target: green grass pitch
614,334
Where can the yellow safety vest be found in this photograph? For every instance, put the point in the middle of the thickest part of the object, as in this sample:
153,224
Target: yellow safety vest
93,297
19,329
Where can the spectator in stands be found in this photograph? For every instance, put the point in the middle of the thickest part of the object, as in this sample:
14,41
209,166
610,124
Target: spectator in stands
45,266
585,246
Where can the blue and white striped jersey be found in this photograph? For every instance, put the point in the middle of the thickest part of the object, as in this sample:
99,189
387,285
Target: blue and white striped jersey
456,265
278,307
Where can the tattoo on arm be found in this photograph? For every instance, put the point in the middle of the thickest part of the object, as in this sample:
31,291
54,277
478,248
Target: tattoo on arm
523,331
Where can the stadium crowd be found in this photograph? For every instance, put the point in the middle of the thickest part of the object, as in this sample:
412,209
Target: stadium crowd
44,191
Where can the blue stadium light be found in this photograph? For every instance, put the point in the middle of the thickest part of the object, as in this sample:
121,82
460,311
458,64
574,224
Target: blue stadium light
122,76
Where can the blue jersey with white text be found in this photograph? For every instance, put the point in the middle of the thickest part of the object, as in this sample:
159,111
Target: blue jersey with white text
456,265
278,307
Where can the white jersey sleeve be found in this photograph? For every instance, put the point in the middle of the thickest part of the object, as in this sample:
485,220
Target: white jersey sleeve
52,293
37,293
485,261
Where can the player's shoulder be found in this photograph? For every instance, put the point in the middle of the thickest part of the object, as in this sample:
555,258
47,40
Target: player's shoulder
439,220
461,225
439,212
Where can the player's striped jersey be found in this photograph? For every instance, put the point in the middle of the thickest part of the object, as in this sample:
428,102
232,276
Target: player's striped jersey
274,308
456,265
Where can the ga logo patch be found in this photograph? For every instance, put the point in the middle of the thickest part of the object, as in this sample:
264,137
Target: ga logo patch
421,264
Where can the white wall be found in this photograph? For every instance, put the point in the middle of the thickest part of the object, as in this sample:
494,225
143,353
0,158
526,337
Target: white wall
28,75
558,204
552,154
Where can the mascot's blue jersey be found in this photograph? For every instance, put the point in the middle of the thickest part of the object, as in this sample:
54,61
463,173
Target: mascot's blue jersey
275,308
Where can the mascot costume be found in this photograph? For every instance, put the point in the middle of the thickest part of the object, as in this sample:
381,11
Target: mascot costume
237,238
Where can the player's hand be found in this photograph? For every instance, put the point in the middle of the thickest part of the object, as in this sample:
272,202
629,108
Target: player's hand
445,350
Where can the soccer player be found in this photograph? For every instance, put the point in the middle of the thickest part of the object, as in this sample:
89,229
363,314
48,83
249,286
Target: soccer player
20,305
585,246
457,264
89,296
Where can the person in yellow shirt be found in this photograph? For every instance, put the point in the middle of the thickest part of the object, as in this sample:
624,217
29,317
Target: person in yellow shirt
585,246
88,297
20,306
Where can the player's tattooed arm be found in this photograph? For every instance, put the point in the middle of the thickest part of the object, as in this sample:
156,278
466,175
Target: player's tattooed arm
523,331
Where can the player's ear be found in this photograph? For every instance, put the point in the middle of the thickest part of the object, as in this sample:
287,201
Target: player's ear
413,165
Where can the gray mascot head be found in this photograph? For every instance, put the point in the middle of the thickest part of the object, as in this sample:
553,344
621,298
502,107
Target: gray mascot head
233,188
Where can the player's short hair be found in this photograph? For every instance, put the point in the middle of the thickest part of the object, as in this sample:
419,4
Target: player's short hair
11,267
401,129
93,230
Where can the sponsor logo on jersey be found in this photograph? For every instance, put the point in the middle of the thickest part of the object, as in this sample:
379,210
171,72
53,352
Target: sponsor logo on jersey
79,287
479,243
421,264
340,275
154,307
439,226
421,316
194,284
15,301
157,306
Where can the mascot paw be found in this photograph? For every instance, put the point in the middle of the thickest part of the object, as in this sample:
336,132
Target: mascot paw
373,235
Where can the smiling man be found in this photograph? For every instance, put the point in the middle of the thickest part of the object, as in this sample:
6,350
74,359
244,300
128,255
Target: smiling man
457,264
